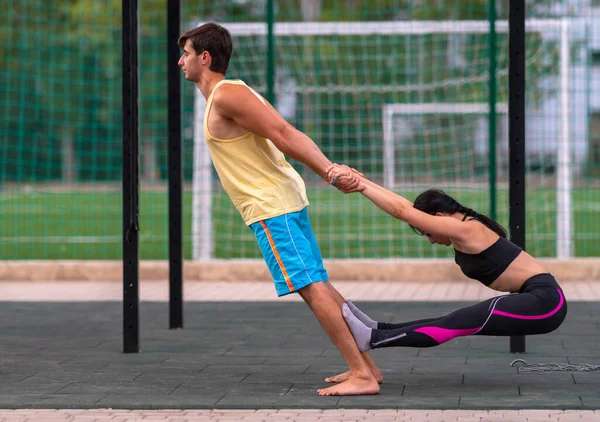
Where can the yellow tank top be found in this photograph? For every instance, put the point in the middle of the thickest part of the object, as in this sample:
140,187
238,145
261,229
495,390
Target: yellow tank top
253,172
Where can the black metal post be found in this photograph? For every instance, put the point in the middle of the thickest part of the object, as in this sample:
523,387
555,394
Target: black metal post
130,177
175,168
492,100
270,52
516,133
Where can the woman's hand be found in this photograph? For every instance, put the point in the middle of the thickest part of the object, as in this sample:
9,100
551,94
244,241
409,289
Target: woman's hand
345,178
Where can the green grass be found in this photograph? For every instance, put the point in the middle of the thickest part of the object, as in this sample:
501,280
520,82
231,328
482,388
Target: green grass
80,225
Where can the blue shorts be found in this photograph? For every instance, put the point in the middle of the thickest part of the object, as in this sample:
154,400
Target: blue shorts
290,249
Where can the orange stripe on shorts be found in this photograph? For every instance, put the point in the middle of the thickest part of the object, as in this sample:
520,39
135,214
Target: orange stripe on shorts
277,257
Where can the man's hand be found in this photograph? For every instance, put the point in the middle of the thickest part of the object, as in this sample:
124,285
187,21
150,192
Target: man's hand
344,178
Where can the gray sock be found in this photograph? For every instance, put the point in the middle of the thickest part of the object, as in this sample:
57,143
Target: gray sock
361,333
364,318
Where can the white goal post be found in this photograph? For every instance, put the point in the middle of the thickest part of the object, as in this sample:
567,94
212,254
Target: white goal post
564,171
420,109
202,224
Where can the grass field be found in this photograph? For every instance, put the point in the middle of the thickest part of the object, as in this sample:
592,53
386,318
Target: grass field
88,225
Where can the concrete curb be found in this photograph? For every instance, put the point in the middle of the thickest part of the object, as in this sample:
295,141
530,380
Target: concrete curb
419,270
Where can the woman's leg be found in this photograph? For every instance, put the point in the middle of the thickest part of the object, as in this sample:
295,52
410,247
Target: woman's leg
371,323
536,312
423,333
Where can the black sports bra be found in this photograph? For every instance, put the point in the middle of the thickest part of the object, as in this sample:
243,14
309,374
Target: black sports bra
488,265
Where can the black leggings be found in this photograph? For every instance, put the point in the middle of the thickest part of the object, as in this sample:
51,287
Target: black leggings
539,307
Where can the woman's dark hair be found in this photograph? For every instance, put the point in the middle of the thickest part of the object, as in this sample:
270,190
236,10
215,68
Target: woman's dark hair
213,38
433,201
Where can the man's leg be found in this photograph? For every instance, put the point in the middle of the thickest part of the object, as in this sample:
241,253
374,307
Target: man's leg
306,229
290,257
328,312
366,356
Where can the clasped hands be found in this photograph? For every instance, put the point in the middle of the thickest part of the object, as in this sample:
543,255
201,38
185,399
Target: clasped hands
345,178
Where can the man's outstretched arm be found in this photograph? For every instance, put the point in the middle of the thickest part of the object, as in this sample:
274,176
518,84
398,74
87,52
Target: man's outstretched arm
239,103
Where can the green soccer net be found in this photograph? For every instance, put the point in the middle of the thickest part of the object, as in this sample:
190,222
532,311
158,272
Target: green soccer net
398,89
407,103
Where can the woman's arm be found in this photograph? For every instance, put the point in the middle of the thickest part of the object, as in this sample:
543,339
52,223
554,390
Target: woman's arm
401,208
390,202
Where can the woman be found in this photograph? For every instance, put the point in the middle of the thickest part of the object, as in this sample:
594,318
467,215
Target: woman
536,304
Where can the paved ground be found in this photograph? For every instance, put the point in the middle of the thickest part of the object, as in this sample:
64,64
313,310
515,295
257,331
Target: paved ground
305,415
59,352
249,291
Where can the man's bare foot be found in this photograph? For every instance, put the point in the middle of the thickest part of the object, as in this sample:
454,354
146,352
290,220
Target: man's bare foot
344,376
353,386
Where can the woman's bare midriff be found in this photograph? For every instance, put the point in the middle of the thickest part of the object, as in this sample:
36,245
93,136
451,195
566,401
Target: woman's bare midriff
522,268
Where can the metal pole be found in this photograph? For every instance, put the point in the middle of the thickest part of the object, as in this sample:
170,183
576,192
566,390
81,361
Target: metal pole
492,109
202,219
270,52
130,177
175,168
564,169
516,133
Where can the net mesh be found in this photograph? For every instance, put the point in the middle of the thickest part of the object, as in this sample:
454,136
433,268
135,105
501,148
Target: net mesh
60,121
334,81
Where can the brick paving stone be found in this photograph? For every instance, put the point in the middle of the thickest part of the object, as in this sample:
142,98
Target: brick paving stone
528,412
356,412
39,415
246,291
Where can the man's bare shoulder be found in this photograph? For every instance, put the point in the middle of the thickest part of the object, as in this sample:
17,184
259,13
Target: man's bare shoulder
231,92
229,97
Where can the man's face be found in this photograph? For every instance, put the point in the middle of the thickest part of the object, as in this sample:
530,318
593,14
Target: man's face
190,63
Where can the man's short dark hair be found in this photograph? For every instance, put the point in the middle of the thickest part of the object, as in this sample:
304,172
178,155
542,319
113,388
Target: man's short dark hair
213,38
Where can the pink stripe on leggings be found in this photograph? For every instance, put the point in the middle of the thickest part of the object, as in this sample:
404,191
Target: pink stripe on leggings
549,314
442,335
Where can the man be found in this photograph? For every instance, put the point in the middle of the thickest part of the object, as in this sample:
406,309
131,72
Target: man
247,140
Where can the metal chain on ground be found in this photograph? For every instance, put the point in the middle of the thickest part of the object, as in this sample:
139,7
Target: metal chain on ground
547,367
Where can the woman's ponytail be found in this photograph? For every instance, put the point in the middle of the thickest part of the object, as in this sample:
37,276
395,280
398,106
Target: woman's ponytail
491,224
